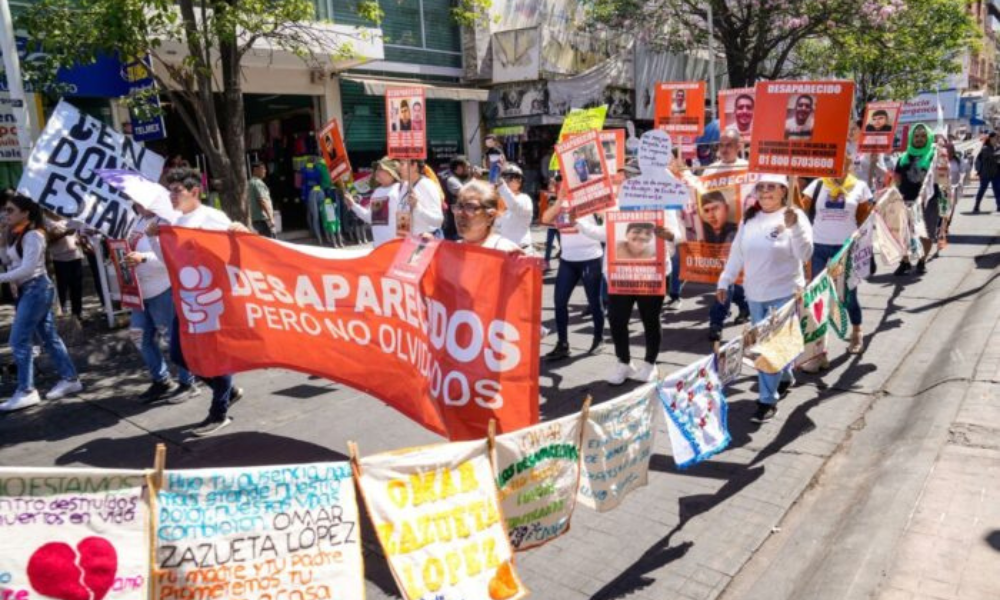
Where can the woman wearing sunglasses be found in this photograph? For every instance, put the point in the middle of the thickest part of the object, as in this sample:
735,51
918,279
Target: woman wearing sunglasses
769,248
475,212
25,255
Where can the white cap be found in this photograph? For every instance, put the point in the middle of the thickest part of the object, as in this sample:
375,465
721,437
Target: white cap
773,178
512,169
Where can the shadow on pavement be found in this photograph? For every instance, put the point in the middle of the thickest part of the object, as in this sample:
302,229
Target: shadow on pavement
993,539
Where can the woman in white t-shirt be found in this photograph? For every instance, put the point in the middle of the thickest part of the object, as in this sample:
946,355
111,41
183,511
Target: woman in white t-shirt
420,199
515,222
476,215
836,207
381,210
769,248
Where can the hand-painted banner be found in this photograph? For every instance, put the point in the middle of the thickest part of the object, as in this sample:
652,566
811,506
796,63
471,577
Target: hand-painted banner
655,154
891,227
74,534
802,129
695,408
646,193
61,174
680,107
406,122
461,346
879,127
778,340
437,517
580,120
331,146
637,258
736,109
259,532
862,252
128,283
538,475
819,309
617,446
585,174
730,361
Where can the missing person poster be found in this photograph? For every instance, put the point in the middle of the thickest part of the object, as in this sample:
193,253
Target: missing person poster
680,107
736,108
585,174
331,145
405,122
878,130
803,128
128,283
636,257
720,208
580,120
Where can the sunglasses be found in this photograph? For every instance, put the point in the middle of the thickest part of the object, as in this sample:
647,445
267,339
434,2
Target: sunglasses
768,187
470,210
510,176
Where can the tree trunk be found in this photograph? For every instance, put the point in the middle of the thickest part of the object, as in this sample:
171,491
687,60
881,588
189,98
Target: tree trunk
234,195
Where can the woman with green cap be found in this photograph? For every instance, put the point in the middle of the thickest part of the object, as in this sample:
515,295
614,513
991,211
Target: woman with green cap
910,174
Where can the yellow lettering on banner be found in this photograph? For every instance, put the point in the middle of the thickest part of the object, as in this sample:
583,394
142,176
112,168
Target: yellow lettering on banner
384,532
471,560
473,566
398,493
413,589
440,527
454,566
467,471
422,486
433,574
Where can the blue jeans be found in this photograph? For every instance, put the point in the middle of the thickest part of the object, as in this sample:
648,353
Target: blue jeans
822,253
675,282
984,183
313,200
569,274
550,237
767,382
154,320
720,310
222,386
34,318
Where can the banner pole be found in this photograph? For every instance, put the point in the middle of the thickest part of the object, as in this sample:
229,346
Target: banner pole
15,83
154,481
352,450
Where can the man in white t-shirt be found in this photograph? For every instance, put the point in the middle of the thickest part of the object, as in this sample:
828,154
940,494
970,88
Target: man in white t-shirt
185,194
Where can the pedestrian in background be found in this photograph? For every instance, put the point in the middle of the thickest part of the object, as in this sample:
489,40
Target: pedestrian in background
261,207
514,223
988,171
67,260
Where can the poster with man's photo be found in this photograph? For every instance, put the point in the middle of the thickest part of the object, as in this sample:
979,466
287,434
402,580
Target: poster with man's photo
680,107
128,282
613,142
721,200
331,146
736,109
801,128
585,174
878,130
405,122
636,257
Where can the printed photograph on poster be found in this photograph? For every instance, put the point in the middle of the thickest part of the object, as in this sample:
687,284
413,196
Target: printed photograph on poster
128,283
878,130
803,127
613,143
680,107
736,110
720,202
718,214
413,258
585,174
331,145
636,257
405,118
379,206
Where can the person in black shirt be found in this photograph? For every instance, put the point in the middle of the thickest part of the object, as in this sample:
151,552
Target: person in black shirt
910,174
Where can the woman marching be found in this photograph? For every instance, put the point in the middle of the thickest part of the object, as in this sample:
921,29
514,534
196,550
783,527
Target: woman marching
25,255
476,218
910,173
769,248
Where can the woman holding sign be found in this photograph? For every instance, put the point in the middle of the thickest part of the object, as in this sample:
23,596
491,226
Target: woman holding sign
769,248
25,255
381,210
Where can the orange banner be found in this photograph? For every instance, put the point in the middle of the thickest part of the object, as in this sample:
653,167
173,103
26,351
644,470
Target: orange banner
736,109
331,145
800,128
450,352
878,130
406,122
680,107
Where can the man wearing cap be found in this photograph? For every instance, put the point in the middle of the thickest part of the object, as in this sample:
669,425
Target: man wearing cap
459,174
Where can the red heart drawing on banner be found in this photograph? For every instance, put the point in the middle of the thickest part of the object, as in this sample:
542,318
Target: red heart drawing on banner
87,573
818,309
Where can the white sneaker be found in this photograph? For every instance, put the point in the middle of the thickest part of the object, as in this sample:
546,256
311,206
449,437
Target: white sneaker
645,373
20,400
622,372
66,387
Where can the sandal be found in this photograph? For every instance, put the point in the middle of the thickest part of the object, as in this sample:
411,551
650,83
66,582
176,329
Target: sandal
856,345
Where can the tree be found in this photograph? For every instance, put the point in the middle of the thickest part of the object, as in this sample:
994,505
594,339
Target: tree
910,47
217,35
757,37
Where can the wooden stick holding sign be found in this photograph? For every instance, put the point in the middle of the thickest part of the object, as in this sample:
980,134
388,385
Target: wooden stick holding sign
154,481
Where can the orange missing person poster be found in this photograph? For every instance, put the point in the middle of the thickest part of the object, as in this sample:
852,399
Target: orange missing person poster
331,146
680,107
406,122
736,110
585,174
801,127
636,257
721,200
613,142
878,130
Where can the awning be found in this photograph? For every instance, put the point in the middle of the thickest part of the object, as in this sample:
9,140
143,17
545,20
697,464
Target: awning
376,87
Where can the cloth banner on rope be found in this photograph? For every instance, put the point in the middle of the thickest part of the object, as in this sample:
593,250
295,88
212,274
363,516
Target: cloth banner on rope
730,361
820,310
859,264
617,446
461,344
781,341
437,517
74,534
538,474
891,227
695,407
286,530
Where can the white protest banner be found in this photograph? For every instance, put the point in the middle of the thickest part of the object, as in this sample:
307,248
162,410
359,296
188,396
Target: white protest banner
10,146
819,309
259,532
61,174
655,154
695,408
145,192
647,193
862,253
538,473
80,534
617,446
730,361
437,516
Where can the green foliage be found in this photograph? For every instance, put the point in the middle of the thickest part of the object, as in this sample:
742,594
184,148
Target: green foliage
468,13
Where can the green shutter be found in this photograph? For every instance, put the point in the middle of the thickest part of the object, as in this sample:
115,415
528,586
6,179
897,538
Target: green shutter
440,30
401,25
444,130
364,118
10,175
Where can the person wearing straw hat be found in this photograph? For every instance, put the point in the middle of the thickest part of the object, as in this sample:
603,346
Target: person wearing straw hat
381,211
769,248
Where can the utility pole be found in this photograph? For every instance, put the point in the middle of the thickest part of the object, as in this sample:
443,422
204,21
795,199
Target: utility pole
12,65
